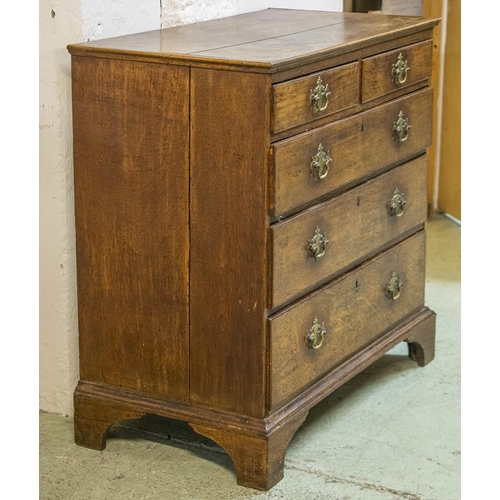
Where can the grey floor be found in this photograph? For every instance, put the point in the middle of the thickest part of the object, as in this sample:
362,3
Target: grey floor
392,432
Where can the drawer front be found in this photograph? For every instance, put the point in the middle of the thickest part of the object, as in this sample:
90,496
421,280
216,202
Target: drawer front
293,100
355,224
353,310
395,70
314,163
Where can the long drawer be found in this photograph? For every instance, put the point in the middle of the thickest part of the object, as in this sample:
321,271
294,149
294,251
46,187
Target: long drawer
319,332
309,247
312,164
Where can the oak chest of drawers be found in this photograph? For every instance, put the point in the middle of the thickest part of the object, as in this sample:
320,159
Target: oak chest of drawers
250,218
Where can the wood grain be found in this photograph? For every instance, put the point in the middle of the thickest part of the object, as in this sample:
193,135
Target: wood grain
354,310
292,100
310,45
229,200
355,223
358,146
131,196
377,70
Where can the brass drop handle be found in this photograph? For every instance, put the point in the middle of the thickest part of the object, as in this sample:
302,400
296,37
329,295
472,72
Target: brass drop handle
319,96
317,245
393,288
401,128
320,162
315,335
399,72
396,204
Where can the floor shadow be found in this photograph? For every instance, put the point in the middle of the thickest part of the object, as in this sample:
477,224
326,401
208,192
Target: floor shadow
172,432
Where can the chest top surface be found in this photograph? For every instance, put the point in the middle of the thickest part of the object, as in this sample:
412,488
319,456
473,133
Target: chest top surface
264,41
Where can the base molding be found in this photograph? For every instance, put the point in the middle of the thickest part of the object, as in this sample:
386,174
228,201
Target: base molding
257,446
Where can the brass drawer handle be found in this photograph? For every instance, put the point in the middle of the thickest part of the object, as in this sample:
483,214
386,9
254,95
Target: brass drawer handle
393,288
396,204
315,335
319,96
317,245
401,128
399,71
319,163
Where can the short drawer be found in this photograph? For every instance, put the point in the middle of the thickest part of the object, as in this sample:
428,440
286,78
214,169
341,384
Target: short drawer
305,99
395,70
353,224
321,331
312,164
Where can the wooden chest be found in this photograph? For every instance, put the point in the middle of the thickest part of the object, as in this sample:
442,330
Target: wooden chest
250,218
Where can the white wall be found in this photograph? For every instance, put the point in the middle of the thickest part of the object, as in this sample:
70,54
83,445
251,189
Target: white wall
251,5
70,21
108,18
178,12
60,24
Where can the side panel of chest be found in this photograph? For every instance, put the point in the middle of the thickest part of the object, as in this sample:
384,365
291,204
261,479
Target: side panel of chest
131,196
230,122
